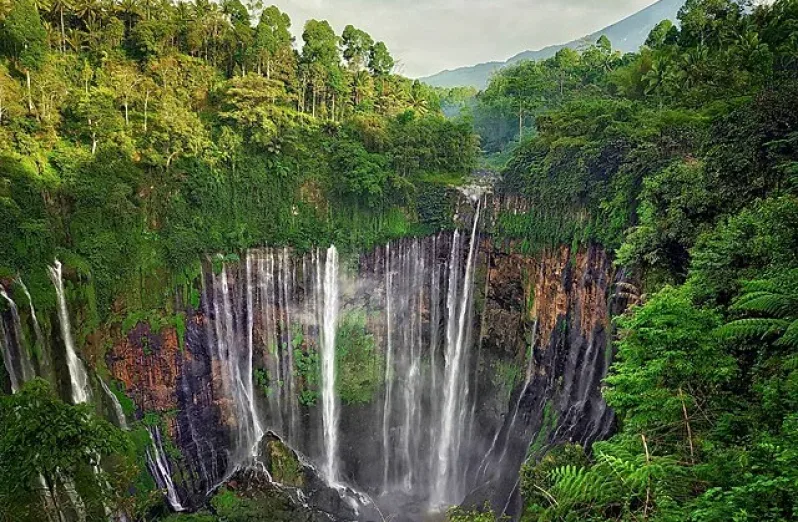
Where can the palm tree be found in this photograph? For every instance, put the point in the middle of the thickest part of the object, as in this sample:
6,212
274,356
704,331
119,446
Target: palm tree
88,11
59,7
129,10
770,307
76,39
42,5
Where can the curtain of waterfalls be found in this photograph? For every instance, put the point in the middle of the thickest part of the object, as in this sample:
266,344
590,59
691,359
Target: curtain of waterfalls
273,320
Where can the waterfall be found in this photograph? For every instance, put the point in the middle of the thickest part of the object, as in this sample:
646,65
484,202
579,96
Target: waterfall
275,316
435,318
37,329
328,370
487,460
246,380
15,356
160,470
413,271
455,387
118,411
81,392
234,354
386,409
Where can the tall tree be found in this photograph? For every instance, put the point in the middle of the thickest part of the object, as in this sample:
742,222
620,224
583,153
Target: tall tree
273,38
381,62
357,47
320,56
24,39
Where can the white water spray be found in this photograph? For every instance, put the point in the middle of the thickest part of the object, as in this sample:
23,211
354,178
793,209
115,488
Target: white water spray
386,409
37,329
14,349
118,411
454,388
328,395
160,470
81,392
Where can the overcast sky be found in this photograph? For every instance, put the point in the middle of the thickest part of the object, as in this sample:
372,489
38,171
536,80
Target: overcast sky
427,36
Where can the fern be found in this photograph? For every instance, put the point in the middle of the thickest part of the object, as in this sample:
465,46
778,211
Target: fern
773,304
756,328
771,310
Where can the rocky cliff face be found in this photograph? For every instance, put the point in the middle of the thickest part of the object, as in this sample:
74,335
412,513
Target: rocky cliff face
537,345
550,314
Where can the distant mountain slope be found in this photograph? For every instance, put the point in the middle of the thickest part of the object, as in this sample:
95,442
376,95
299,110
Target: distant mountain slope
627,36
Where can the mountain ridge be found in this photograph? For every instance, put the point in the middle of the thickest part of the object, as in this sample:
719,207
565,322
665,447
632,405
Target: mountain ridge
626,35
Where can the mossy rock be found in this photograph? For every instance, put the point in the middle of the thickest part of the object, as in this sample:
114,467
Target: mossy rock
284,464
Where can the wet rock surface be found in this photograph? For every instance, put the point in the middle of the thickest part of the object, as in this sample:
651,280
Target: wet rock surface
286,482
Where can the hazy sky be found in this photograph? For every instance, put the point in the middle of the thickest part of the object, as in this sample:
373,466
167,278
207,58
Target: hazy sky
426,36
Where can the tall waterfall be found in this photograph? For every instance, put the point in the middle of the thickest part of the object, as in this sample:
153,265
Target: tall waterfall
273,323
455,382
329,396
81,392
15,356
229,337
37,329
388,379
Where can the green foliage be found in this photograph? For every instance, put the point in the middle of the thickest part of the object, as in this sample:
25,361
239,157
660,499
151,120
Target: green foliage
308,369
358,360
41,436
23,35
772,309
668,359
461,514
284,466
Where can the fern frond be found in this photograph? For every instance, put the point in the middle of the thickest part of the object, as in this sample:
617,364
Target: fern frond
759,329
790,337
774,304
574,484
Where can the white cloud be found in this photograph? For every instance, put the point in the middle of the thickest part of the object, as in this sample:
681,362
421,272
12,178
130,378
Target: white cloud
426,36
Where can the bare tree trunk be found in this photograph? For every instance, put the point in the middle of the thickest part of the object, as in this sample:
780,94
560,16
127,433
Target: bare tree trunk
146,102
689,429
63,32
27,83
127,118
648,486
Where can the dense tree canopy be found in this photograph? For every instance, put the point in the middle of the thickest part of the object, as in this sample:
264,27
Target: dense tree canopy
681,158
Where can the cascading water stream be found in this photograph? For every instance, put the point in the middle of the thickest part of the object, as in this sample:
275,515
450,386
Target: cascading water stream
530,368
118,411
328,394
160,470
81,392
15,355
235,356
386,409
455,386
37,329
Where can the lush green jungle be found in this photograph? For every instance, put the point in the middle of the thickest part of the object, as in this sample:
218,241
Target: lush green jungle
137,135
